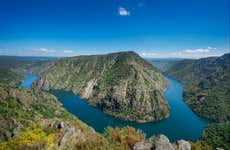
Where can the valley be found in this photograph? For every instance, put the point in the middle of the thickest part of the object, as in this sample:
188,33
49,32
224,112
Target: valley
175,127
82,117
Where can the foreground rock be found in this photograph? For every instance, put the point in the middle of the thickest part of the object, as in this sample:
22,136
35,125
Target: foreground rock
163,144
143,146
183,145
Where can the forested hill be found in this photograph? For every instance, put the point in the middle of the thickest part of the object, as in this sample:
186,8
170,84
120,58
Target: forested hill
122,84
207,85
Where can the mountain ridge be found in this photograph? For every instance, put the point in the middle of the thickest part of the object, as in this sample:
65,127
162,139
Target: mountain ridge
121,84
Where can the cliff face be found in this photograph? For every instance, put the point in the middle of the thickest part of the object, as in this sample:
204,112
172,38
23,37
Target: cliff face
207,85
121,84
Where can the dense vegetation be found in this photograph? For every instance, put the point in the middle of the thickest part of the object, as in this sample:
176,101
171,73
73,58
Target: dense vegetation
217,135
10,77
207,85
121,84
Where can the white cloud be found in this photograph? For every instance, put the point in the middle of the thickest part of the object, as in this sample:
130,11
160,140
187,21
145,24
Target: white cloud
149,55
123,12
52,52
195,53
68,51
44,50
209,47
185,53
200,50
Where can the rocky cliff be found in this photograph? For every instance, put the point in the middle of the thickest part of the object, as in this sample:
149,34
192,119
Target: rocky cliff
121,84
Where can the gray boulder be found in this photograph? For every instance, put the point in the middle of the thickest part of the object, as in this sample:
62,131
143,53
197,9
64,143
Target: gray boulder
70,135
143,146
163,144
183,145
219,148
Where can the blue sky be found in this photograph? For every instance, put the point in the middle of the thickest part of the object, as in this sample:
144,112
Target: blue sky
152,28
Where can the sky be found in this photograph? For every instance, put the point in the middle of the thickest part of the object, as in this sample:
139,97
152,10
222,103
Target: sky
152,28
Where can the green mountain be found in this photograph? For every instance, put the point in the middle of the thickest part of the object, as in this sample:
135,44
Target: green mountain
207,85
121,84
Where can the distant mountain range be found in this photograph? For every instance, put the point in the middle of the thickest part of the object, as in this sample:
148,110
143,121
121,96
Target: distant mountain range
21,64
161,63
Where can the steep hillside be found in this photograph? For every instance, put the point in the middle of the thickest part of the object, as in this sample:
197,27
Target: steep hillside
207,85
10,77
217,135
121,84
36,120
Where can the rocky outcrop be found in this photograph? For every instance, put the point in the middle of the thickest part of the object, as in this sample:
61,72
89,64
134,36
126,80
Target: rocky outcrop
23,98
183,145
121,84
143,146
42,83
89,89
163,144
70,135
5,125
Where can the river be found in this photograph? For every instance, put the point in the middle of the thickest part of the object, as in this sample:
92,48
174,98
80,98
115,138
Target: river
181,124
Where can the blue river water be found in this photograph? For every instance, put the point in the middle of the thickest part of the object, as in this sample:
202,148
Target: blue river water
29,79
181,124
